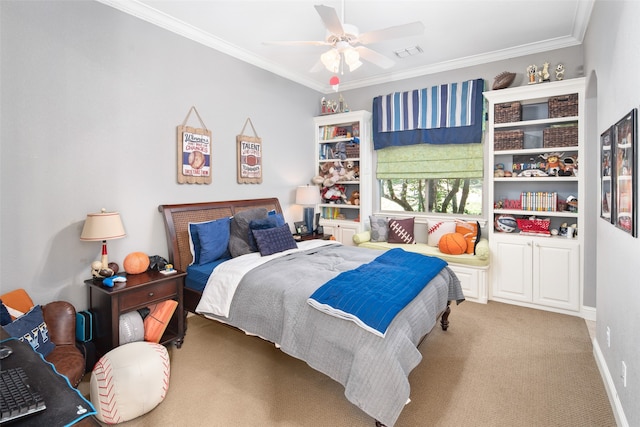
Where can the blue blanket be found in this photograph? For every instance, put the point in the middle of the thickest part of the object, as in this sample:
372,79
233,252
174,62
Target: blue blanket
374,293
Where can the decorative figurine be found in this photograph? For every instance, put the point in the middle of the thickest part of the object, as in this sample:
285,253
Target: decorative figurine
532,70
560,72
544,73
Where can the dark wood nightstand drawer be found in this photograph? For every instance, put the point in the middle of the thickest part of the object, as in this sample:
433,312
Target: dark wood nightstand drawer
148,295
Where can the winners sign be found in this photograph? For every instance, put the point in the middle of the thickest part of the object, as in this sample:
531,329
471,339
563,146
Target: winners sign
194,153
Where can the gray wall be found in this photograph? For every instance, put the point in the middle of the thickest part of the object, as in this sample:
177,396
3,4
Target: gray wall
91,98
612,60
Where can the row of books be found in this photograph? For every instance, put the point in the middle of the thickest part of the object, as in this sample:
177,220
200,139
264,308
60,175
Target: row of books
330,213
333,132
327,151
539,201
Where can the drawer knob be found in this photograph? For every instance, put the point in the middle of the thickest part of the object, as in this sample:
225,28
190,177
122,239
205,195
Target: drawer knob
150,294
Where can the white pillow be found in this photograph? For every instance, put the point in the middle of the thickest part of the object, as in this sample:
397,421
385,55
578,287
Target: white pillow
438,228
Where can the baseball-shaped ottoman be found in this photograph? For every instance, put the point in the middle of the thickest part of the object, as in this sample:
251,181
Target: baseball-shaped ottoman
130,381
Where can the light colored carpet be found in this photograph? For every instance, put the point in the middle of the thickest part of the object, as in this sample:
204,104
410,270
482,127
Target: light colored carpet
497,365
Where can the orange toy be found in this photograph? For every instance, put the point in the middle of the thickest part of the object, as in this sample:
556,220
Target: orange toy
136,263
452,244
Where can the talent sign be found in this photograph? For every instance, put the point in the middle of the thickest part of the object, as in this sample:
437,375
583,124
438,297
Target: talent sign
249,157
194,153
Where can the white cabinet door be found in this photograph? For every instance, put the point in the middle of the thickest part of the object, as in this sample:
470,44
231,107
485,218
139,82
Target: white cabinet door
511,265
556,273
343,231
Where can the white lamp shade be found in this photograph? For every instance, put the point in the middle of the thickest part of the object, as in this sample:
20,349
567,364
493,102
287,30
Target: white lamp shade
331,60
307,195
102,226
352,58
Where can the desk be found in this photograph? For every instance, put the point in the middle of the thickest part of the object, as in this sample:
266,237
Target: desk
63,401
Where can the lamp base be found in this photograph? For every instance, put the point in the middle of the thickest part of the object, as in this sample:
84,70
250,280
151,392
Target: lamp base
308,219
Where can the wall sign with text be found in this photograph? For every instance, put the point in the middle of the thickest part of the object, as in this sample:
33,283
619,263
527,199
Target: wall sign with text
194,153
249,152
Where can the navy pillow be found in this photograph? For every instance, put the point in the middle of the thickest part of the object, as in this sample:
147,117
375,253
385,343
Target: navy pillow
5,317
206,227
260,224
272,240
30,328
214,240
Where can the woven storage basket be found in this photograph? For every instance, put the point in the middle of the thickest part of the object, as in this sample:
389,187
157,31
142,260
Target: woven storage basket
562,136
508,140
534,225
507,113
563,106
353,151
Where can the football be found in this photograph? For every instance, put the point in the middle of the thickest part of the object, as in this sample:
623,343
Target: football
506,223
503,80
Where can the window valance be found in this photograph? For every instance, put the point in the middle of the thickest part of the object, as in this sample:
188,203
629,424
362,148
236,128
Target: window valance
444,114
430,161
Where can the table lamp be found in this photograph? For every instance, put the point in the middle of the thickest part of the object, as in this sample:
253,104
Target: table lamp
308,196
103,226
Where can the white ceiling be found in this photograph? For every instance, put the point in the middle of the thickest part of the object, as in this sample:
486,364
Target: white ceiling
458,33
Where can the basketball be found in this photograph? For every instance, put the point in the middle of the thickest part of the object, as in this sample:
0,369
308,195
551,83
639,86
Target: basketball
452,244
506,223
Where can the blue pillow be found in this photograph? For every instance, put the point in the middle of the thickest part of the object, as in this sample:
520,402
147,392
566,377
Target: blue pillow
278,216
30,328
260,224
213,239
5,317
276,239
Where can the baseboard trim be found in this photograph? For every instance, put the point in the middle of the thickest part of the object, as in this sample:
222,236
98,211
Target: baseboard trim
588,313
616,405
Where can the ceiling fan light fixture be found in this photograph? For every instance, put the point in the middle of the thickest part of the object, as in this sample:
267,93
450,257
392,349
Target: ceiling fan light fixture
352,58
331,60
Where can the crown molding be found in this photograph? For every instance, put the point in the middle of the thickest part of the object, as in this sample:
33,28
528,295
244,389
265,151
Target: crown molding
161,19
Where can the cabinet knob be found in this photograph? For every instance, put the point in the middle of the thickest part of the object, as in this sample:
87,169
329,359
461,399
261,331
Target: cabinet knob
150,294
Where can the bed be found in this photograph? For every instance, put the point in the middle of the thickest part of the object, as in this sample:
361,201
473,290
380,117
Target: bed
373,368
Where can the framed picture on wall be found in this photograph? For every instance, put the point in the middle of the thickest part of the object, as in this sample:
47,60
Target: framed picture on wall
625,173
606,167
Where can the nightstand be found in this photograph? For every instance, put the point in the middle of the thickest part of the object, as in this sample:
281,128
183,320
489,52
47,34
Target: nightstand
313,236
139,291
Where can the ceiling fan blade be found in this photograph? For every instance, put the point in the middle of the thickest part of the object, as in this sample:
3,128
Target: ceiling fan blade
399,31
297,43
330,18
375,57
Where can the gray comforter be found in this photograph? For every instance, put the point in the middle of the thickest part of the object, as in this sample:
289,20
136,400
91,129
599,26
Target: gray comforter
271,302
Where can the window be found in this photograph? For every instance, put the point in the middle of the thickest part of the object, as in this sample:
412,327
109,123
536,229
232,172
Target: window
459,196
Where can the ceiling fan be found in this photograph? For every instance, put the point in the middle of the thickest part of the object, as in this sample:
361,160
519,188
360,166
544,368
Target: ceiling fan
347,44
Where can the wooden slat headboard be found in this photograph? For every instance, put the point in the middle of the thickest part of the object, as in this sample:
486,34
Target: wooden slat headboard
177,219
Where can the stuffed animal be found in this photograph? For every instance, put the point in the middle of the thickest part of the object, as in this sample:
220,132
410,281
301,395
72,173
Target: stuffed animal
350,174
334,194
354,199
554,165
340,151
329,170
